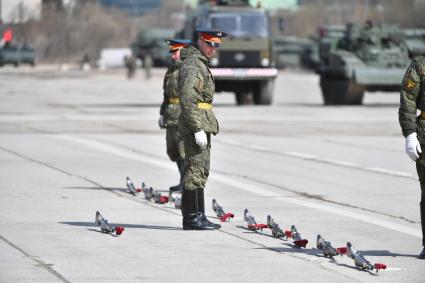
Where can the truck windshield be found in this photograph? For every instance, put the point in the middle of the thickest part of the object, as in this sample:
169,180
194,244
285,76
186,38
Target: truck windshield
253,24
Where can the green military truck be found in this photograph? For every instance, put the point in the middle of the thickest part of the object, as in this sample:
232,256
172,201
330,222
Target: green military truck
14,55
244,62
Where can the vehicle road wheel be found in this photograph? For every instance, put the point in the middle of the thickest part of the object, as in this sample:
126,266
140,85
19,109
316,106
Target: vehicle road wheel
341,92
243,98
263,92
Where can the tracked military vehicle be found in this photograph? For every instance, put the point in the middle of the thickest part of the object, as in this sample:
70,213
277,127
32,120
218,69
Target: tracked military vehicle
152,43
244,62
372,59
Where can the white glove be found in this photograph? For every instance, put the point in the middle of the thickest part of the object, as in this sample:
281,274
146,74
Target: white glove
413,148
201,138
161,122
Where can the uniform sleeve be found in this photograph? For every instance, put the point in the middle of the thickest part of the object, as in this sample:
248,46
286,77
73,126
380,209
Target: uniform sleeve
164,100
409,92
190,85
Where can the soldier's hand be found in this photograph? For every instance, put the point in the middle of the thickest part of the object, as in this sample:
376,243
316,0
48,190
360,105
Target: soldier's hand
161,122
413,147
201,138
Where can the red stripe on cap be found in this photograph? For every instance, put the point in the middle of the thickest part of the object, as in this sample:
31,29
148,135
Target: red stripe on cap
208,37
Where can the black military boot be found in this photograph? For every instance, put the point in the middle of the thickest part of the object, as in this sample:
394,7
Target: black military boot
181,165
191,217
201,208
422,254
179,187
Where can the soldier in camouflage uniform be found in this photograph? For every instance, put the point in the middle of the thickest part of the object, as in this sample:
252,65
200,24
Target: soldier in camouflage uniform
170,109
196,123
412,97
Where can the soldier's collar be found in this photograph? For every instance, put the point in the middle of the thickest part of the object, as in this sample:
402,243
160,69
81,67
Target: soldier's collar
203,56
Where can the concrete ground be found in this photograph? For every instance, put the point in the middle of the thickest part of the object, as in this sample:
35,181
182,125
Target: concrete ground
69,139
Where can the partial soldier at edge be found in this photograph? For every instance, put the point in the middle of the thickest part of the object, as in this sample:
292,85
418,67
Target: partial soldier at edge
412,97
196,123
170,109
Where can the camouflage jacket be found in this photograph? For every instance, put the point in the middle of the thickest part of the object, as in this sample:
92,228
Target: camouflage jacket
170,107
412,97
196,85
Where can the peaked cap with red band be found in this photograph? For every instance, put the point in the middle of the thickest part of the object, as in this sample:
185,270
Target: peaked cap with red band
176,44
211,37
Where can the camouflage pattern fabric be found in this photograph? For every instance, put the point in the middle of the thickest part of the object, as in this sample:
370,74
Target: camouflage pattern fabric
175,144
171,112
196,85
197,163
412,97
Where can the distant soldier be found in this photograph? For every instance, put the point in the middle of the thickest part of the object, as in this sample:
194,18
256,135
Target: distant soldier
368,24
369,34
347,42
147,65
196,123
85,62
170,109
130,65
412,97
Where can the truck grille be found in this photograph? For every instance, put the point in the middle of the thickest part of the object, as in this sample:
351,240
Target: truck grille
239,59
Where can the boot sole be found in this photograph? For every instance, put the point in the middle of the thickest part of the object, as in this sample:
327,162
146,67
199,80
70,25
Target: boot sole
187,227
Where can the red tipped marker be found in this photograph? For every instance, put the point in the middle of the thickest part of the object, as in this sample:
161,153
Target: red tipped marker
256,227
288,234
226,216
379,266
163,199
301,243
341,250
119,230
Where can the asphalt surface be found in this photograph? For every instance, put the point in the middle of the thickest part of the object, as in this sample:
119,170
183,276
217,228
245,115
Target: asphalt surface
68,140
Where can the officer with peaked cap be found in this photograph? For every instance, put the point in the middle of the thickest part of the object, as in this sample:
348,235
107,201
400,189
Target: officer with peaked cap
196,124
170,109
412,98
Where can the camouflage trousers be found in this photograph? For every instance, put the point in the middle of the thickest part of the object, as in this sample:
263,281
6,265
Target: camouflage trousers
197,163
175,147
420,168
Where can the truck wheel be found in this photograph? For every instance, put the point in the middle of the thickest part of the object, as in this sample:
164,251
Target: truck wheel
16,64
263,92
243,98
341,91
32,64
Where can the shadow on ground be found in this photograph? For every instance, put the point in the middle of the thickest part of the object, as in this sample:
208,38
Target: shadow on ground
125,225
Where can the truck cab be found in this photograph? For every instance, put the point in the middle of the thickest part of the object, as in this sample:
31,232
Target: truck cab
244,62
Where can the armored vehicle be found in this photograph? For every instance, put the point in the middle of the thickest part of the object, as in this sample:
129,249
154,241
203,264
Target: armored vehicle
372,59
292,51
244,62
152,43
415,41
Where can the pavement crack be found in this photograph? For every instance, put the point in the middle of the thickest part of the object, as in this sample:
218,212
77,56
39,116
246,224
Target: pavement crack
318,197
321,160
39,262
